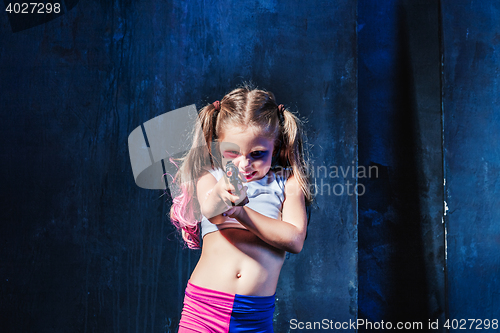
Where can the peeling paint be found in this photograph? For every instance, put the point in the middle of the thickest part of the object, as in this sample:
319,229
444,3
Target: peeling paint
445,243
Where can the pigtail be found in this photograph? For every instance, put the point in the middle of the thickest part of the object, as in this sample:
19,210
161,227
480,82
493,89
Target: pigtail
293,154
185,211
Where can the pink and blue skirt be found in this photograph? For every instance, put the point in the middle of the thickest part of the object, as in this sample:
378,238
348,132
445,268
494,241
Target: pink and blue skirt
207,310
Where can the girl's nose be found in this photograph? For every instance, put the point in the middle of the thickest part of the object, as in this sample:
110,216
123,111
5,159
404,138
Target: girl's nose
242,162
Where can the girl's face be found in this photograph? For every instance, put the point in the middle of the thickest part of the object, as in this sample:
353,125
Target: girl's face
250,152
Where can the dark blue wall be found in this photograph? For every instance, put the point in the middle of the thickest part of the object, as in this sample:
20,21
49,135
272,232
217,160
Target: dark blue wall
471,90
83,248
428,87
401,236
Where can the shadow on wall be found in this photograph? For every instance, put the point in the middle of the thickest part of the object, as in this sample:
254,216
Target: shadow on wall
400,243
408,295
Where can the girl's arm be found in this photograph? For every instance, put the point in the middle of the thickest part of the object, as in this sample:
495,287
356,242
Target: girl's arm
288,234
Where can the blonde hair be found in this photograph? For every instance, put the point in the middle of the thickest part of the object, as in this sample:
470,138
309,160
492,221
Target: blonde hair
244,106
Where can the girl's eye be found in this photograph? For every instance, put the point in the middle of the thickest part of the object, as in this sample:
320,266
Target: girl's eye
231,154
258,154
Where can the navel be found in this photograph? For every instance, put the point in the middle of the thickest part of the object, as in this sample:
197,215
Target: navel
238,275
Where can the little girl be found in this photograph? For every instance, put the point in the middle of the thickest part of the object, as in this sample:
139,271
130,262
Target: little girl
233,286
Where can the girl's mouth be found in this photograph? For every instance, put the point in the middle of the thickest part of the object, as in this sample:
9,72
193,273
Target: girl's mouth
249,175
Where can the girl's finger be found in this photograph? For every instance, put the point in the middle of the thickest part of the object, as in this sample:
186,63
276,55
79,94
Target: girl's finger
234,198
229,200
225,184
229,187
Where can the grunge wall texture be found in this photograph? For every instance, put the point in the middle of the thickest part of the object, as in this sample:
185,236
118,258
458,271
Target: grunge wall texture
429,236
83,248
471,37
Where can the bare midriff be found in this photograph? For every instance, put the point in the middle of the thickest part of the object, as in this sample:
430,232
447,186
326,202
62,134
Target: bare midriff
236,261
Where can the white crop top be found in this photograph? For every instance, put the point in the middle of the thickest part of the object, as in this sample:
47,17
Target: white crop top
265,196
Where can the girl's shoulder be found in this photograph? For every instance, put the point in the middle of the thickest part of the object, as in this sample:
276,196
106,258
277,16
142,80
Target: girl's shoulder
216,172
282,174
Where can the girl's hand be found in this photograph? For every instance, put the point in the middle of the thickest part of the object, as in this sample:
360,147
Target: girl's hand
218,197
227,194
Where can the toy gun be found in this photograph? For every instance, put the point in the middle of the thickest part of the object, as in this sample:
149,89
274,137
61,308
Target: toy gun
232,174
